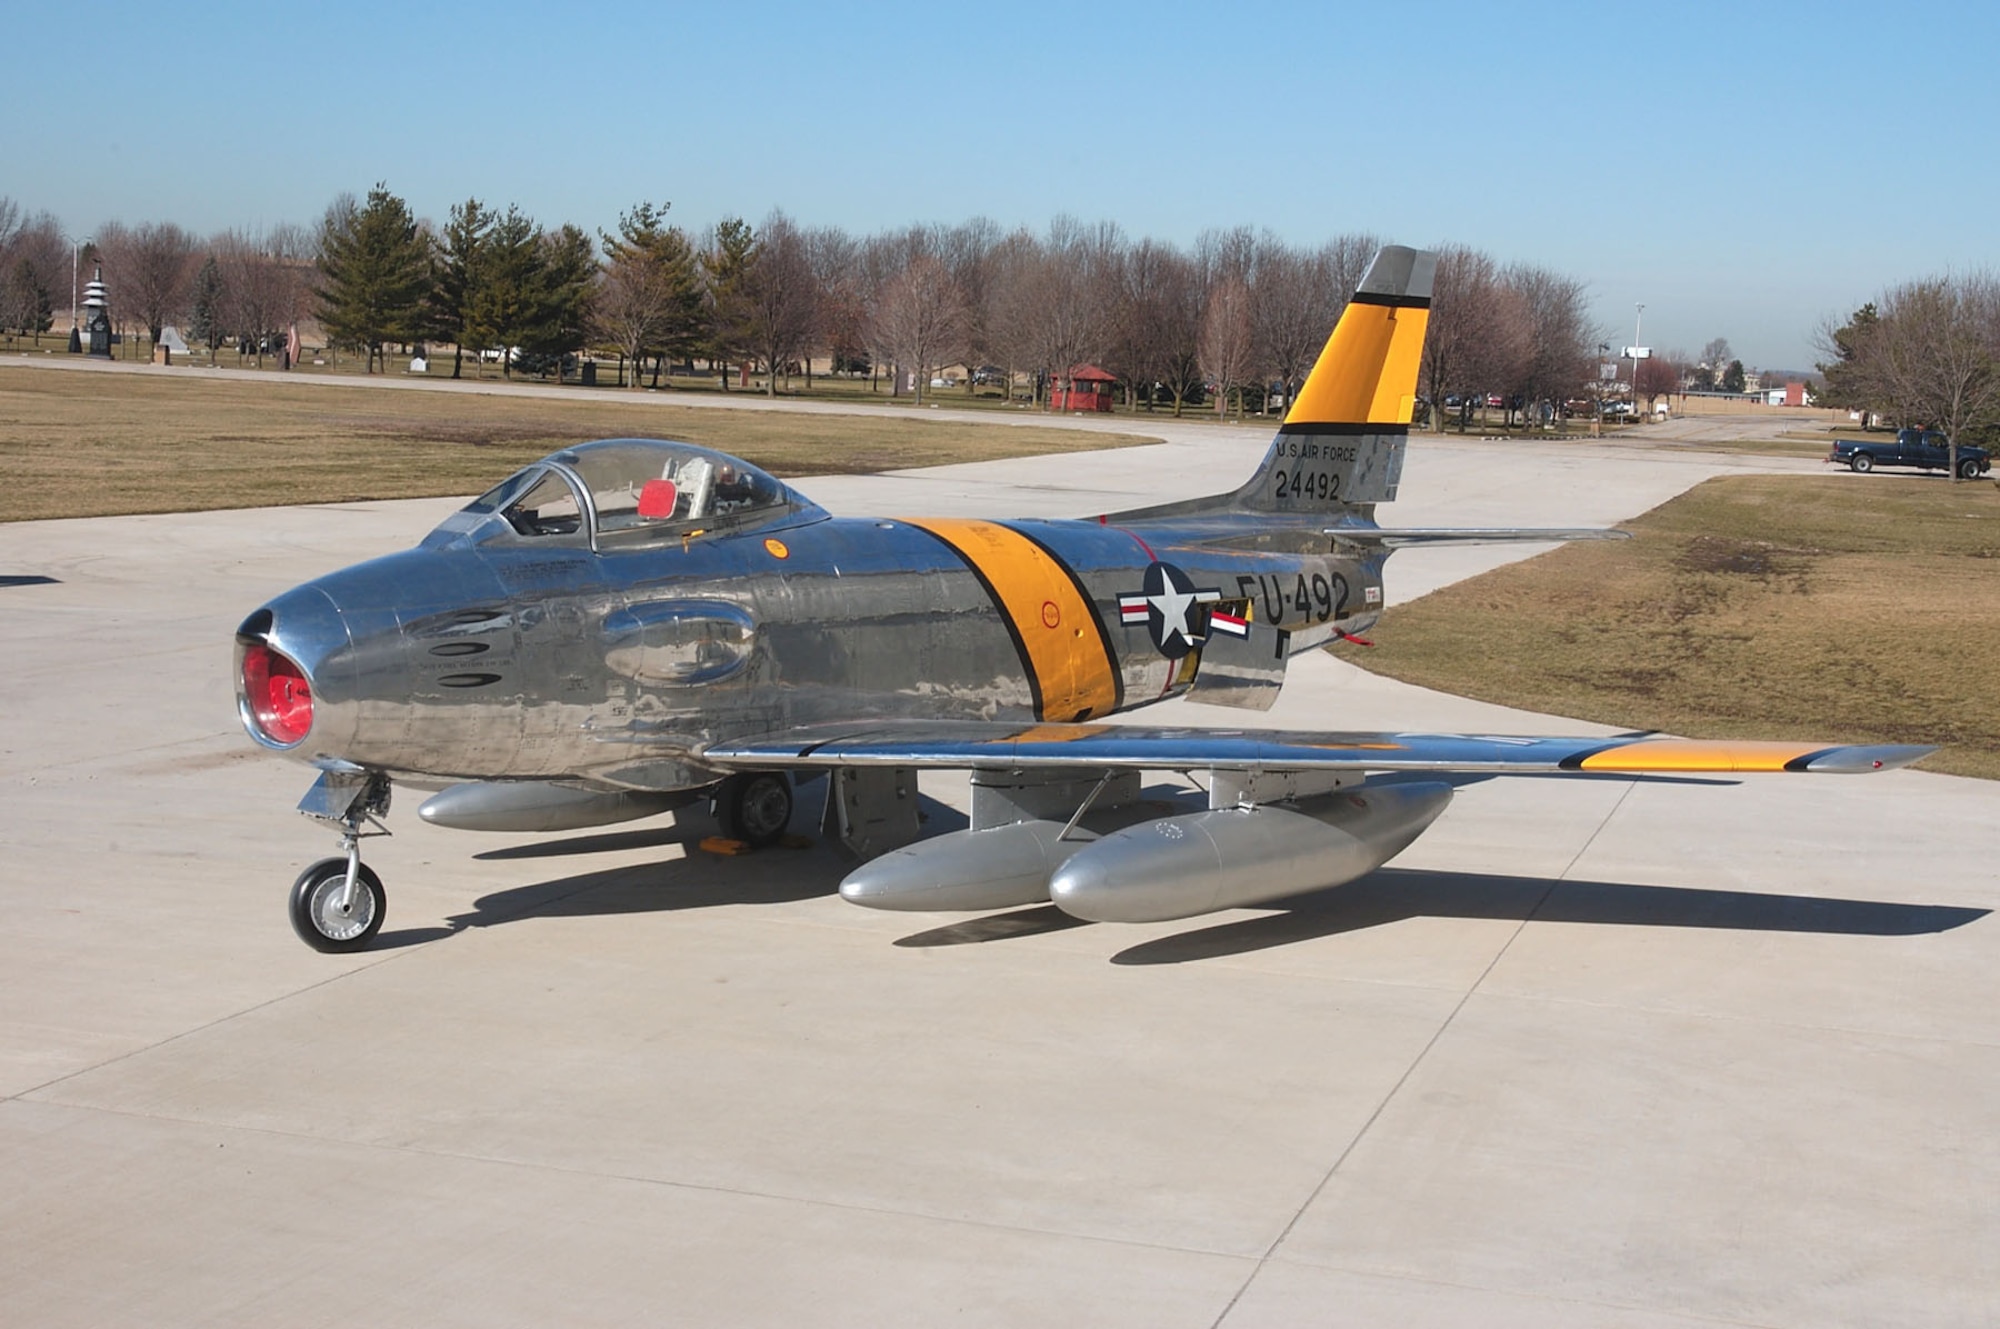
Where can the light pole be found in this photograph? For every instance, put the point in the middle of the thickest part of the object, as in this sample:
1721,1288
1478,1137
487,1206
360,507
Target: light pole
1603,363
75,252
1637,319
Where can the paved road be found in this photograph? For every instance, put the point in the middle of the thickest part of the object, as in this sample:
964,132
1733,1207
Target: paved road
1765,424
1591,1053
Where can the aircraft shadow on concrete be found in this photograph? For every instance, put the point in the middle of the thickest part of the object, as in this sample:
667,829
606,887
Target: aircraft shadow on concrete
699,881
1391,895
1388,895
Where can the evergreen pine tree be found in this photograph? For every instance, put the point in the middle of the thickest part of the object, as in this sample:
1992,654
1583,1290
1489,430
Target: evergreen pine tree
205,318
456,275
500,306
375,273
566,274
650,302
26,299
728,262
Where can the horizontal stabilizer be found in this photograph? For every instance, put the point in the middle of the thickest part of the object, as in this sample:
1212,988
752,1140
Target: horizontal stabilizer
1379,537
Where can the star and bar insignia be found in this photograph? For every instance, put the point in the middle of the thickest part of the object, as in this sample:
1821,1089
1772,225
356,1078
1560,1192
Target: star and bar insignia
1166,603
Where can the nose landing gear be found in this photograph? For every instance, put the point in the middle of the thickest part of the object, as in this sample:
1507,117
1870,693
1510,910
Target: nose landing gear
337,904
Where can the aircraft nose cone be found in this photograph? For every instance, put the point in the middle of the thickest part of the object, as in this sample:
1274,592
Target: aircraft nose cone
307,632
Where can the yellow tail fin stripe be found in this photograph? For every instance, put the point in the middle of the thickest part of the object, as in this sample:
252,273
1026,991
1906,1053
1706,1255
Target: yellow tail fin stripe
1056,627
1367,374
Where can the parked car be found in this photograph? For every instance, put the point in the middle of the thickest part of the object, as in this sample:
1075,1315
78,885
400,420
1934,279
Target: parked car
1926,449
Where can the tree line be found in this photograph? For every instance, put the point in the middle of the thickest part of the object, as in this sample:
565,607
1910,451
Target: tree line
1925,354
1235,316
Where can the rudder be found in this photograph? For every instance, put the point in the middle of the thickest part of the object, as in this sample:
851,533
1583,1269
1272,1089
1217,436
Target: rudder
1342,441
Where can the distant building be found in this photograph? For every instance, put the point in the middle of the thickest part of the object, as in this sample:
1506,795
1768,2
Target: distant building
1084,388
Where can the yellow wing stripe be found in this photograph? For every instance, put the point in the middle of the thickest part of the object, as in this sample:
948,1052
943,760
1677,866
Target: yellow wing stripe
1367,374
1655,756
1070,670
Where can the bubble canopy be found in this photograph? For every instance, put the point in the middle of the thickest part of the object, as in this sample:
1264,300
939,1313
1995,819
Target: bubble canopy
622,492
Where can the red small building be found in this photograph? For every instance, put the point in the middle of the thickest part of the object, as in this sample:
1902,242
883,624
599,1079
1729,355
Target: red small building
1084,388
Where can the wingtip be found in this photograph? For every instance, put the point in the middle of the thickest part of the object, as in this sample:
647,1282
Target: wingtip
1863,759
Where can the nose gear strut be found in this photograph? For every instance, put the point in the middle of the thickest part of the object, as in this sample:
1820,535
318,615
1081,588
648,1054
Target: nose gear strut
337,904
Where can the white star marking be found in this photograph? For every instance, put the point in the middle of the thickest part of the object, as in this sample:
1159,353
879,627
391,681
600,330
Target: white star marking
1173,605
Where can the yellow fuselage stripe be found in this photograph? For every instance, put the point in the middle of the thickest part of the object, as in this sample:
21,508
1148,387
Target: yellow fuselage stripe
1056,626
1659,755
1367,375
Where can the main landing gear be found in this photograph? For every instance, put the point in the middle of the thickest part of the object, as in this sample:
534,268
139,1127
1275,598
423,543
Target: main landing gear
754,807
337,904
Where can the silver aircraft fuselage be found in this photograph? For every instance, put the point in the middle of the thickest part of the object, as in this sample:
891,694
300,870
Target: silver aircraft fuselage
588,641
631,621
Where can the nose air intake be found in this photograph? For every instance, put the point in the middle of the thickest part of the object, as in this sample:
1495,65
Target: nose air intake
277,698
283,655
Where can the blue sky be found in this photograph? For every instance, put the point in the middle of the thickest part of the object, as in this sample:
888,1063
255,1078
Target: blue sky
1741,170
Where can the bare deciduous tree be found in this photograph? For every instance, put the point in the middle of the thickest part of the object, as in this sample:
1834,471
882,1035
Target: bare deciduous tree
1228,339
780,298
1157,323
1061,298
149,268
34,259
1347,258
265,282
1657,376
1560,337
650,301
921,319
967,250
1938,340
1007,319
1478,336
1297,299
842,327
1293,308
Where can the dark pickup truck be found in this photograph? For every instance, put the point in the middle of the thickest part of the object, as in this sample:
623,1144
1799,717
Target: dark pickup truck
1925,448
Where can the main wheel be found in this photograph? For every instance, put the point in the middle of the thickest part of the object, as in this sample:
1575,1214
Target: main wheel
1862,462
1968,469
754,807
316,913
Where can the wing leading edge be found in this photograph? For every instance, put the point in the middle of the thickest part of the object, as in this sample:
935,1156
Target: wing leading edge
966,745
1389,537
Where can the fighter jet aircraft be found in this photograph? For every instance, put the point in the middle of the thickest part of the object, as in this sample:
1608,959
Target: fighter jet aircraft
631,625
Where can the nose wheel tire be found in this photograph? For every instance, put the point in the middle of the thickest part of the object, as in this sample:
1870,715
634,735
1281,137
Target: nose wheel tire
755,807
317,913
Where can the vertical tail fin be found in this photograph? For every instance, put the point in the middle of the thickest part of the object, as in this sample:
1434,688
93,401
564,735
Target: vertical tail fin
1342,441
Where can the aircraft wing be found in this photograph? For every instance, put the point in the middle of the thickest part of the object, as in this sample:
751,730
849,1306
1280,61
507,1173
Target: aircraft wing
1402,537
968,744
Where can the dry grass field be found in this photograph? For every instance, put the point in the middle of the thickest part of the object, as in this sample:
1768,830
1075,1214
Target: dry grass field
1849,608
78,444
